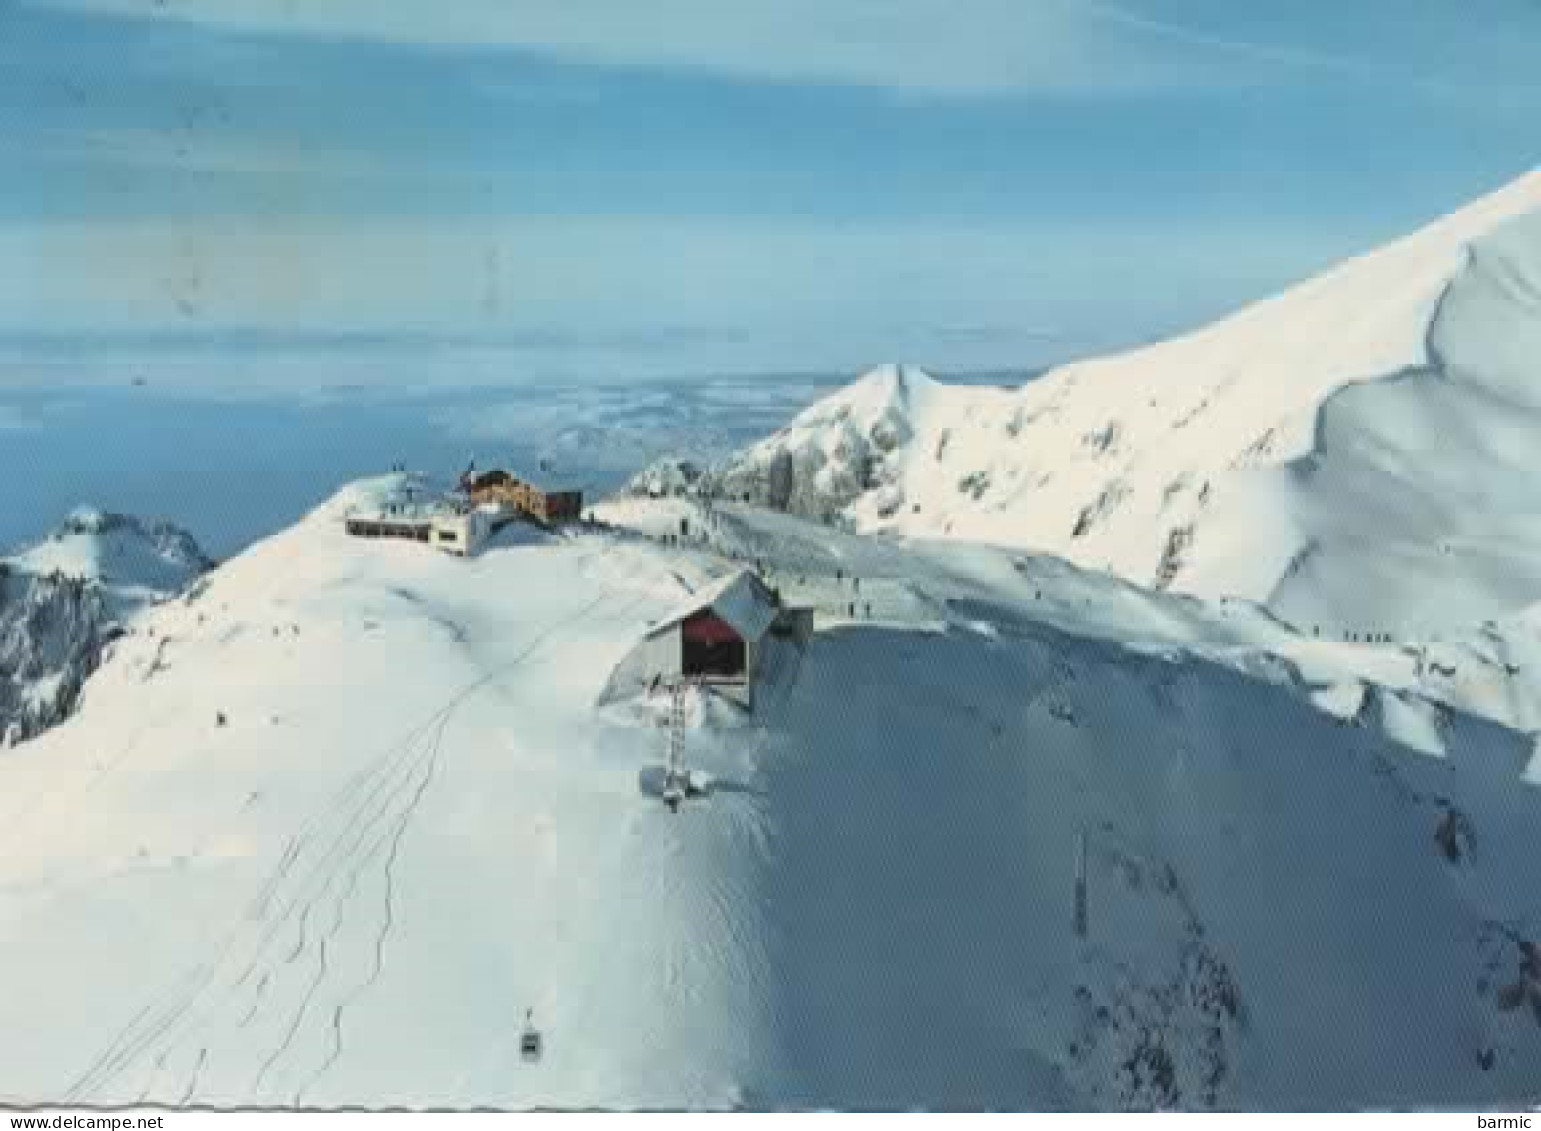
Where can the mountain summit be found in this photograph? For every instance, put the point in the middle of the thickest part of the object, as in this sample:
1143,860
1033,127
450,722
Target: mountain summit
64,599
371,824
1328,451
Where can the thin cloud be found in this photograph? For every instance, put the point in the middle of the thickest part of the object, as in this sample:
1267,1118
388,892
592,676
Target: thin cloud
957,47
1353,67
928,45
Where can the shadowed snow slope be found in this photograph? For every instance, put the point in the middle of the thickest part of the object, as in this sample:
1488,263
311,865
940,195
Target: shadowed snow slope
1335,451
326,834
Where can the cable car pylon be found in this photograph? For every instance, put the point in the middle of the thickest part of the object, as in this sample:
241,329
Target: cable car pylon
678,785
675,779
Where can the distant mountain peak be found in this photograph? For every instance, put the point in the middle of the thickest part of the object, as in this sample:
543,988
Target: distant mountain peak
66,597
897,379
1201,463
89,520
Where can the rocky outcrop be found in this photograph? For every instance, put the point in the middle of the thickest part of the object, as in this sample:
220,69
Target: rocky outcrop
66,599
834,453
665,478
53,631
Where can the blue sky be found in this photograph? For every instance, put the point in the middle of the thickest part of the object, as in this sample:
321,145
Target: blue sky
723,183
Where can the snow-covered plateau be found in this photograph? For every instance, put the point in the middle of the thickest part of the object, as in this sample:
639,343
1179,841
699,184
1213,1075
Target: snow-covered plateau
327,826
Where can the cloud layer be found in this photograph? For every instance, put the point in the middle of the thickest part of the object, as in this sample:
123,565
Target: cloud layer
936,46
958,46
799,180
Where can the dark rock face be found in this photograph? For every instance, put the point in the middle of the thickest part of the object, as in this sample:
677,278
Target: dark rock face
665,478
782,479
53,632
819,464
56,628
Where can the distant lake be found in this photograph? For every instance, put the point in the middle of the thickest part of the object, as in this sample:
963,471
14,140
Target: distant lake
234,470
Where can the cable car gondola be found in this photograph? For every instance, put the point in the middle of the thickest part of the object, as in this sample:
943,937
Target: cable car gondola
530,1039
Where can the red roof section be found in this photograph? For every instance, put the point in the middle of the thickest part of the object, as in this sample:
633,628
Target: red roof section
709,628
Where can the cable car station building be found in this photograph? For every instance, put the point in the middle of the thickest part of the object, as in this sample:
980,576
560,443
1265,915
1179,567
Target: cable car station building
715,638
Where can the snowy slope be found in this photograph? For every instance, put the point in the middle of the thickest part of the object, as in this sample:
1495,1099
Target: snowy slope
1418,502
64,599
1329,450
349,809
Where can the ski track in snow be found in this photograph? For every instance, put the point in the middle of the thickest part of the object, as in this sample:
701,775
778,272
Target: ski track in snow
372,813
721,937
876,873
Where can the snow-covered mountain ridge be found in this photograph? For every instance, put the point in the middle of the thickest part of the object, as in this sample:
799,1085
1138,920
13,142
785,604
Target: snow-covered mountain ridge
64,599
349,808
1354,452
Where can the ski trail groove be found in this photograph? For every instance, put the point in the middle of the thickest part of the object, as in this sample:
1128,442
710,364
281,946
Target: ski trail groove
382,776
192,1083
388,919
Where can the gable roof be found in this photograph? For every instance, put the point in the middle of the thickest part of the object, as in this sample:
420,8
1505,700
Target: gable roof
740,599
497,477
